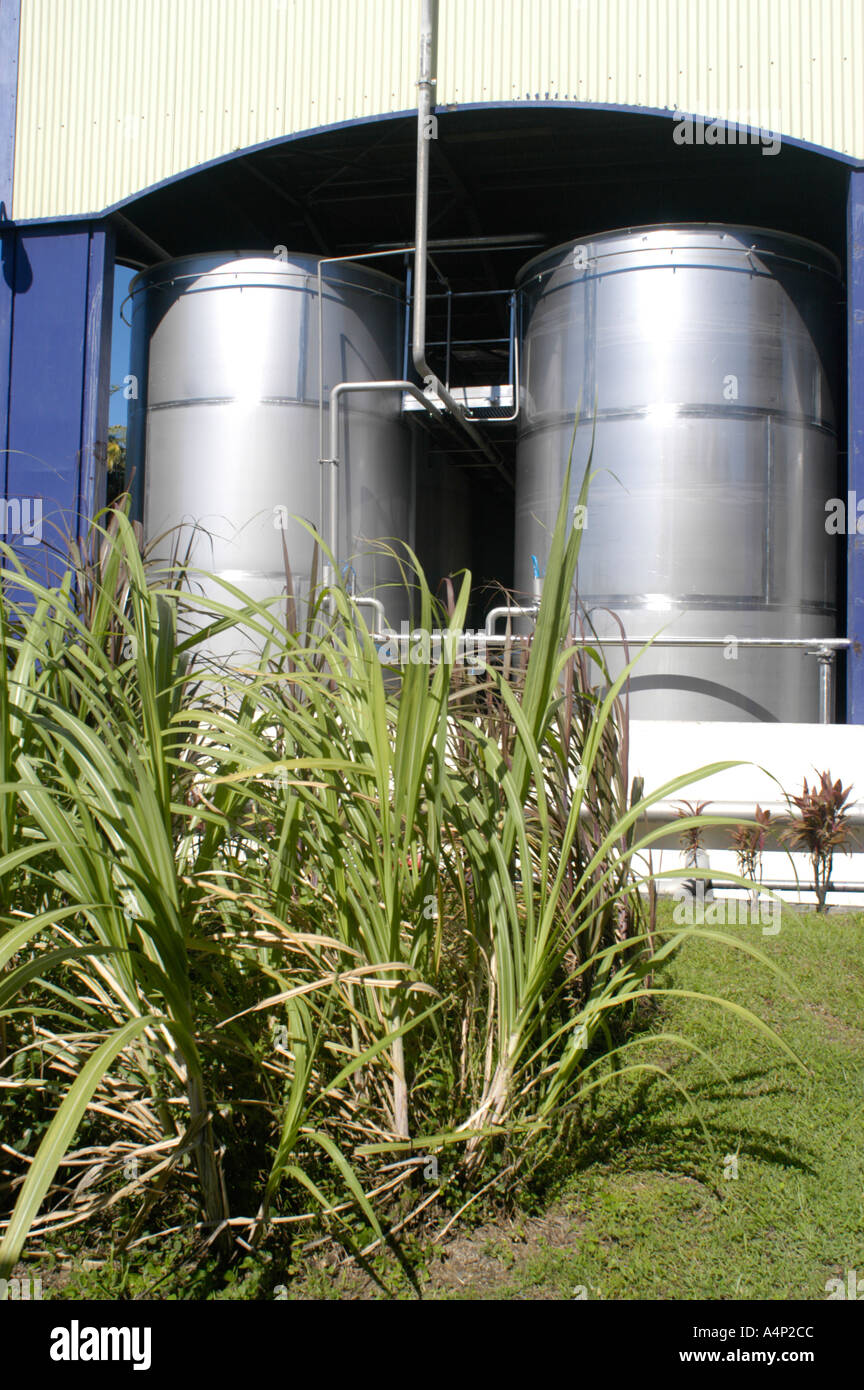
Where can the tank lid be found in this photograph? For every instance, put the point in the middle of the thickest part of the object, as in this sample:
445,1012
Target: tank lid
237,265
706,237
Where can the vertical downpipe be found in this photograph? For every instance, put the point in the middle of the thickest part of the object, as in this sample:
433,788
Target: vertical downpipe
426,82
425,102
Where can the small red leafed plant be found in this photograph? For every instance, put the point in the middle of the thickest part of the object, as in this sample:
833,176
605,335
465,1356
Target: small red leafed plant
748,841
691,836
820,828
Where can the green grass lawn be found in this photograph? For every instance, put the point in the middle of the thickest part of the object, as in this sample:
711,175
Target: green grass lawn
648,1213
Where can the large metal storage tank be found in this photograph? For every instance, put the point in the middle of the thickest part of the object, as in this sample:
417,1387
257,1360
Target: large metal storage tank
224,434
710,352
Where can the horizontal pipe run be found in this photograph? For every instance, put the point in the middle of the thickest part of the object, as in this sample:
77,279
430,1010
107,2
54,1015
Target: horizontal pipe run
468,294
662,811
499,639
824,649
779,885
467,342
830,644
478,243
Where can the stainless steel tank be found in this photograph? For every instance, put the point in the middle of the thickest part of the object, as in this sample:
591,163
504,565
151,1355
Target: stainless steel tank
710,352
225,436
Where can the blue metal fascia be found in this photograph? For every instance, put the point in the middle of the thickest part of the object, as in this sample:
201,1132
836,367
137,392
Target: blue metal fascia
855,447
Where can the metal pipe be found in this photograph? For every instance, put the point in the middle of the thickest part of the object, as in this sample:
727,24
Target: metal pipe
477,243
471,294
825,661
425,102
426,84
824,647
408,386
832,644
146,241
508,610
659,810
464,342
776,884
369,601
499,637
336,260
344,388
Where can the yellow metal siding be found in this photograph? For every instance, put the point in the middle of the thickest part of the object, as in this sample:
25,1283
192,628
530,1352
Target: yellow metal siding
783,62
116,95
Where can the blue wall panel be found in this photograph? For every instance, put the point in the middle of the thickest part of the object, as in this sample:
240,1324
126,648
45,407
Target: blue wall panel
855,481
56,354
48,334
10,28
8,240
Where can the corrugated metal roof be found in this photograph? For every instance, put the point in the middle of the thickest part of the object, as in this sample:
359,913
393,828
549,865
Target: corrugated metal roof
117,95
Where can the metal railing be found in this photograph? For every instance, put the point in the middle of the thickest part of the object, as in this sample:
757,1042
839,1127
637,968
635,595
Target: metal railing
511,341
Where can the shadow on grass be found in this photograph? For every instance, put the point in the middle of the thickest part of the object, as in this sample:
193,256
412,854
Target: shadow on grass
648,1128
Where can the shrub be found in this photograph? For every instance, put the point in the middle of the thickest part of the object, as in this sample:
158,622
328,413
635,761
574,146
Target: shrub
692,834
748,840
821,828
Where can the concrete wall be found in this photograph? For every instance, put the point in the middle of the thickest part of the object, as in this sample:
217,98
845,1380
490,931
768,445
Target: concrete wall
773,759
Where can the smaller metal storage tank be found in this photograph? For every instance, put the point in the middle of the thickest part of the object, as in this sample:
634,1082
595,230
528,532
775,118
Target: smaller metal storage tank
225,431
711,354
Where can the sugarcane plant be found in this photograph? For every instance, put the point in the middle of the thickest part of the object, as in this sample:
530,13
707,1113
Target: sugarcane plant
272,936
